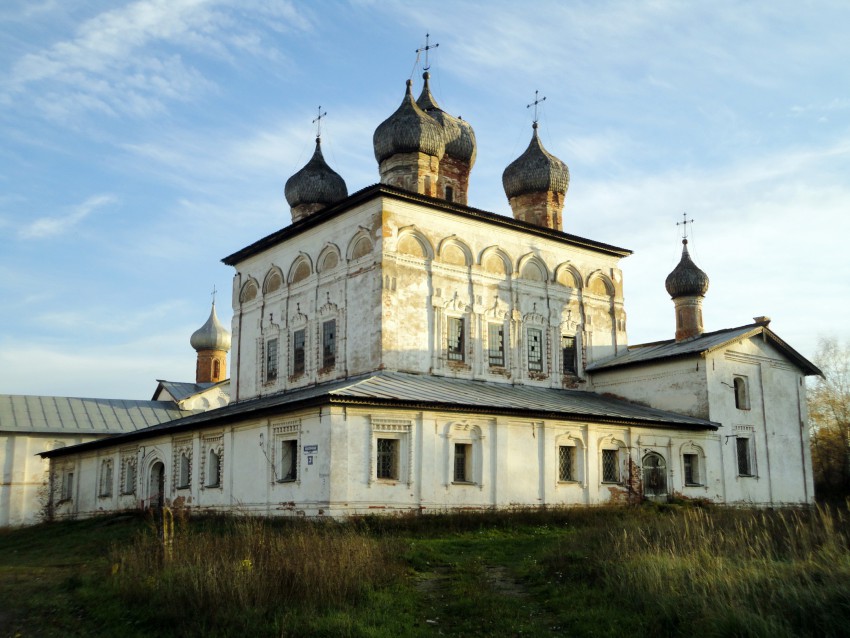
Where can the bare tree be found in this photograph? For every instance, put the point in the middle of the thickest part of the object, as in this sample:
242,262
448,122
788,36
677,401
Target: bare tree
829,416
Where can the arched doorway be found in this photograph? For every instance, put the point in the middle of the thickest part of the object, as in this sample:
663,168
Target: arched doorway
654,475
156,485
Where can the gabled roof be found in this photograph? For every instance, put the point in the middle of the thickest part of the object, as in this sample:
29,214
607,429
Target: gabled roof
70,415
180,390
384,190
701,346
414,391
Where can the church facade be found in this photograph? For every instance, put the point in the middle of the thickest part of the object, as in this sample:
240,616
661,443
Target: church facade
397,350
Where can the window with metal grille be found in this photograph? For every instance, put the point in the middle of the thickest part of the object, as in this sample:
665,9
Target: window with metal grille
535,350
496,345
744,459
566,463
455,339
298,351
387,461
329,343
610,466
289,460
568,354
691,462
271,359
463,457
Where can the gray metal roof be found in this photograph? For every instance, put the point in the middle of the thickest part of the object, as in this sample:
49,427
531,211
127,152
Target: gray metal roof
702,345
180,390
414,391
69,415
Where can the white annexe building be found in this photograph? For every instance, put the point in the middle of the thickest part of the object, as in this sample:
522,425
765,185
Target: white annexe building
396,350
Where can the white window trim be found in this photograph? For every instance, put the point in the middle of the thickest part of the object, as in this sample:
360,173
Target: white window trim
129,459
286,431
397,429
570,440
465,434
178,449
216,444
106,479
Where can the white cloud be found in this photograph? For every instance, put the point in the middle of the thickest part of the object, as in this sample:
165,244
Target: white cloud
51,226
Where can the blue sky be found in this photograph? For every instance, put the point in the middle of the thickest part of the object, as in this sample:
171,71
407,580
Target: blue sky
141,142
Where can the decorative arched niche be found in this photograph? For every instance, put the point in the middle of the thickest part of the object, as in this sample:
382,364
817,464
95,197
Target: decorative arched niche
273,281
328,259
301,269
359,246
600,284
414,243
532,268
568,276
249,290
455,252
496,261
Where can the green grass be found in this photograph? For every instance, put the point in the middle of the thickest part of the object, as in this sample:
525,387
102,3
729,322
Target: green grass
671,570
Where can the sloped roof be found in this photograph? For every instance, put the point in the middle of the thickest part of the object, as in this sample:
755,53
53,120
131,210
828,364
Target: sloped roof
69,415
180,390
701,346
414,391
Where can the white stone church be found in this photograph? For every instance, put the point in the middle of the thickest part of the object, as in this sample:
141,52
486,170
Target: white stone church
396,350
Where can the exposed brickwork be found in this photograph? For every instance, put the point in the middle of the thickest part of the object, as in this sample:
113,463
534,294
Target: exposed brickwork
688,317
416,172
541,209
207,371
454,174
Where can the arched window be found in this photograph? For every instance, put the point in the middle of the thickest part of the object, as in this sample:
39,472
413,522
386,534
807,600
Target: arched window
214,470
654,475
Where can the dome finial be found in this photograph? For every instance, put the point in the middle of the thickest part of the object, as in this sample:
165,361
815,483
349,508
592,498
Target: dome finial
318,122
426,48
687,285
534,104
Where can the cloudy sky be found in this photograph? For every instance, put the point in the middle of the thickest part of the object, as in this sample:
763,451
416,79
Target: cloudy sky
141,142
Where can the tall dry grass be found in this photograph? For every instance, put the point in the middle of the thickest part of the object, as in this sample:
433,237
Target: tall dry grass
737,572
230,572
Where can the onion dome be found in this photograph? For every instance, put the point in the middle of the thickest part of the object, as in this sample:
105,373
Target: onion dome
212,335
457,134
408,130
316,183
535,171
686,280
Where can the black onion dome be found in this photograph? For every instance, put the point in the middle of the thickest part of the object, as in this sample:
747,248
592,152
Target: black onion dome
457,134
686,280
316,183
535,171
408,130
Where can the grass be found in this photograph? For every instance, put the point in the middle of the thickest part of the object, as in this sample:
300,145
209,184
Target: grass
670,570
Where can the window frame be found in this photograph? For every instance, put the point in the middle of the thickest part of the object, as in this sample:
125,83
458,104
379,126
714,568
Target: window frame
391,452
691,469
741,390
299,352
496,331
106,479
292,473
456,332
329,342
535,364
462,451
569,355
617,477
129,474
272,360
400,431
744,452
571,476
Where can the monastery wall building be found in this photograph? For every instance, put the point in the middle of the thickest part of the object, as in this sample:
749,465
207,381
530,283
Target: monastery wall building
397,350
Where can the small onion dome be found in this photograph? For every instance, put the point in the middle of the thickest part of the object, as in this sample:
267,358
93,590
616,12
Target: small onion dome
212,335
408,130
686,280
535,171
316,183
457,134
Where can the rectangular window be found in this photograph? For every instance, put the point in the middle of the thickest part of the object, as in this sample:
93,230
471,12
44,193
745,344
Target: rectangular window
68,486
462,462
271,359
289,460
298,352
129,486
450,194
745,467
185,471
568,354
535,350
610,466
496,345
566,463
387,461
106,478
691,462
329,343
455,339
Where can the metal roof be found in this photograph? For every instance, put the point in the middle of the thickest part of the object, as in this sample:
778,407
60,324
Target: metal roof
414,391
69,415
385,190
702,345
180,390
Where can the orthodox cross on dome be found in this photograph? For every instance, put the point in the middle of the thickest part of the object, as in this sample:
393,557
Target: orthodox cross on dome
213,294
318,122
534,104
684,224
426,48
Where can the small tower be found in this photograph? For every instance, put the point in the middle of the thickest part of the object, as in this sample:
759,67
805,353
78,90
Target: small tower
457,162
409,145
212,343
687,285
315,186
536,183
